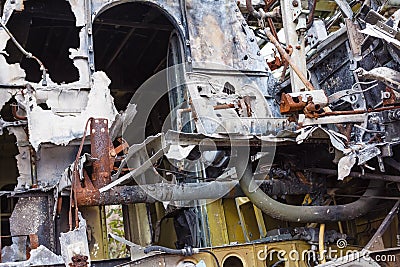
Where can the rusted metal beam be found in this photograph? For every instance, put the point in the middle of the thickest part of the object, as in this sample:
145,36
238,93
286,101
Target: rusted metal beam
100,150
288,59
150,193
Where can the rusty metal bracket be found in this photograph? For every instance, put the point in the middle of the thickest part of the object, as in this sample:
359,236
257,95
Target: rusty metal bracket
100,150
291,104
79,261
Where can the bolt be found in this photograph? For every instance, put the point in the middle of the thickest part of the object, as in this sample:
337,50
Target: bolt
295,3
298,47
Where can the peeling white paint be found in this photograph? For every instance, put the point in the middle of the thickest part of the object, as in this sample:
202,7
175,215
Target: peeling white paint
78,8
10,73
9,8
47,127
23,158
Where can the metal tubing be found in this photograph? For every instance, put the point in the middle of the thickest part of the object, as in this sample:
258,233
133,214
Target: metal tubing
358,111
100,150
370,176
308,214
288,59
150,193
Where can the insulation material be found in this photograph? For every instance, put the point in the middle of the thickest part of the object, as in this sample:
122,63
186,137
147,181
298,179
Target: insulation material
62,130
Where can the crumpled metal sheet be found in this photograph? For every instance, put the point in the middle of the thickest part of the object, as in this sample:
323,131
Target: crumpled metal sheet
372,31
40,256
345,164
15,252
367,153
178,152
75,242
336,139
62,130
43,256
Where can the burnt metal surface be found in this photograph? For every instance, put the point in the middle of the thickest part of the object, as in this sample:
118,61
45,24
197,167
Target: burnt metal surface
100,151
210,123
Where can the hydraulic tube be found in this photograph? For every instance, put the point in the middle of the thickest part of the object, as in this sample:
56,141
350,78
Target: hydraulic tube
308,214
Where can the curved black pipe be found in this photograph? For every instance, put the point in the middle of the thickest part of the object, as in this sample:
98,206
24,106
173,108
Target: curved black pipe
308,214
164,249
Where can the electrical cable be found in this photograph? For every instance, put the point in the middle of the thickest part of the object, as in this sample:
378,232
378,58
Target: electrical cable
212,254
187,251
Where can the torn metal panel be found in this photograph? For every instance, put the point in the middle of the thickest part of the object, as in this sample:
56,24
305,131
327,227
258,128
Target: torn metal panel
23,158
375,32
32,216
79,10
225,117
62,130
74,243
56,159
345,165
40,256
222,36
389,76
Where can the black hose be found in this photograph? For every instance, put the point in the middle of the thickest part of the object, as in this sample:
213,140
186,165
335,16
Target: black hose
212,254
187,251
309,214
163,249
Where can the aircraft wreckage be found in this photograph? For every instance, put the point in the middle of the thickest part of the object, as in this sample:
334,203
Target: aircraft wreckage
200,133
